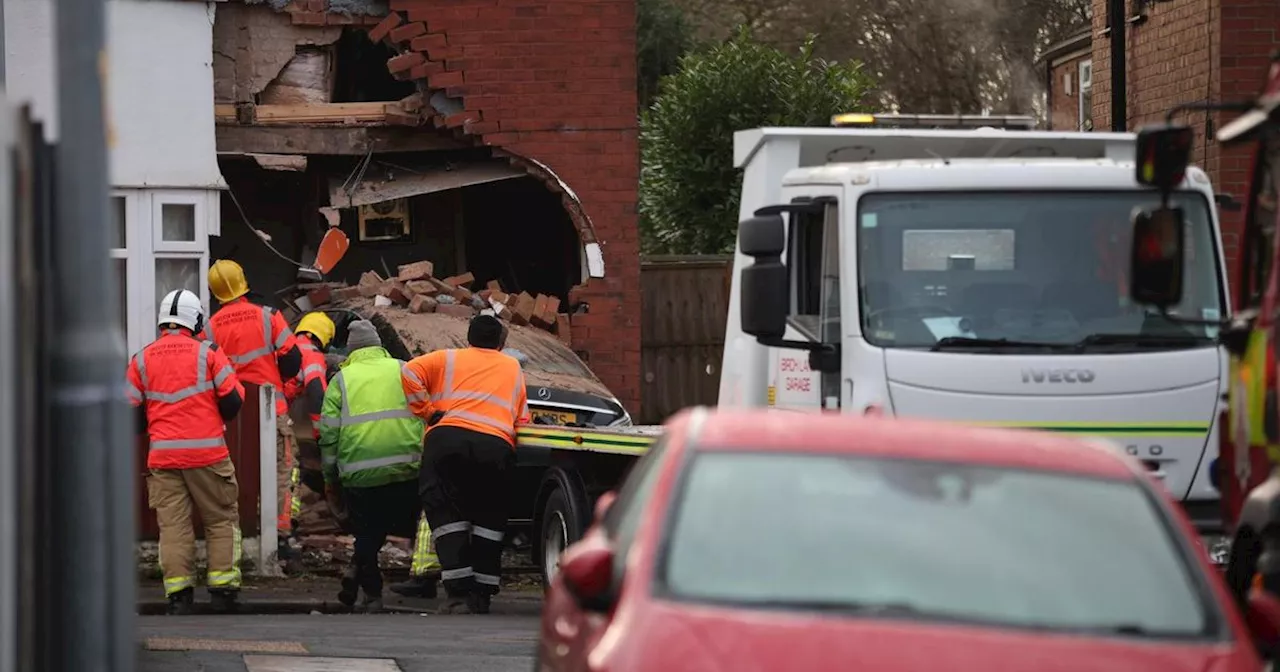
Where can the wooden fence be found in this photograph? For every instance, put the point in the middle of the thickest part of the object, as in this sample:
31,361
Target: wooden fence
685,301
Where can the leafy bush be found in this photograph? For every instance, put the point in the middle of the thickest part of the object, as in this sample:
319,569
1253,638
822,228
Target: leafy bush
689,189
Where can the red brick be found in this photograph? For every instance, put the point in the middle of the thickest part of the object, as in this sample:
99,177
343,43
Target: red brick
384,27
445,79
425,70
407,32
309,18
428,42
456,310
339,20
481,127
404,62
422,303
459,119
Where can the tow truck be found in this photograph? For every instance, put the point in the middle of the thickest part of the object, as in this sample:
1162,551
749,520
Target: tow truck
1249,452
971,269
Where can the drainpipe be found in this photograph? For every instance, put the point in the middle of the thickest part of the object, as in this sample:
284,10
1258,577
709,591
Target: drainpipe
1119,91
94,597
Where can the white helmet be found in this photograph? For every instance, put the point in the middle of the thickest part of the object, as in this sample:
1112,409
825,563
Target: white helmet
182,308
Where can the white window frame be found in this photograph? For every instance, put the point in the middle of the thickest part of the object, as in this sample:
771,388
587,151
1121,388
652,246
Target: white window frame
1085,86
199,202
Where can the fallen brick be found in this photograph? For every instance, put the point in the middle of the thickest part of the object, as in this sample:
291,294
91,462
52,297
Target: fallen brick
441,285
319,296
404,62
563,331
422,287
408,31
522,309
371,278
345,294
422,304
462,294
553,308
484,294
401,118
397,292
369,291
412,103
460,280
418,270
455,310
499,296
494,285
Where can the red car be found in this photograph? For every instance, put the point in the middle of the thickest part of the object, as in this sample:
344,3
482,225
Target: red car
788,541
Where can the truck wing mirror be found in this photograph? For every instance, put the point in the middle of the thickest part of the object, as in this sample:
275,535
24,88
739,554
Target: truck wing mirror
1155,275
1163,155
764,291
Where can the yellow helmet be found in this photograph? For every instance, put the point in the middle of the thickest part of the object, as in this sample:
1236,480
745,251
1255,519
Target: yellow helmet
318,325
226,280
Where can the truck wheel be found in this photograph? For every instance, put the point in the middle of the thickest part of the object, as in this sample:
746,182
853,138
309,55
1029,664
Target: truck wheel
560,527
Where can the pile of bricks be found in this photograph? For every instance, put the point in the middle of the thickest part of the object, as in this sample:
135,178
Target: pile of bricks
416,289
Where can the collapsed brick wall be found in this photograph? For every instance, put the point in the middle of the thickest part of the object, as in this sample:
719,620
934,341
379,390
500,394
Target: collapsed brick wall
1186,51
252,44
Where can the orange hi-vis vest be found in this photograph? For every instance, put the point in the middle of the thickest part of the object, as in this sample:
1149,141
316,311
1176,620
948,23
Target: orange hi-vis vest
476,388
313,368
252,336
180,379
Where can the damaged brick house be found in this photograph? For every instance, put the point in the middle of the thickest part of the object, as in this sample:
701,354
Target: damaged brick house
487,137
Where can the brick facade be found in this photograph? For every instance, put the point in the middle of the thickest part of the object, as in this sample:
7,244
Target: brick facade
1063,83
1181,51
551,83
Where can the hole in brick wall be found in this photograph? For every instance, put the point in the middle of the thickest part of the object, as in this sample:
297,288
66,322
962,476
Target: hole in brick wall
360,71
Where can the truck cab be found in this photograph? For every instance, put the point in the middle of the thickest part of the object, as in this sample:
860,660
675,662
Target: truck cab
972,270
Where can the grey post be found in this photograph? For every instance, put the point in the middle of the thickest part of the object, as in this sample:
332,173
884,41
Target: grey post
94,593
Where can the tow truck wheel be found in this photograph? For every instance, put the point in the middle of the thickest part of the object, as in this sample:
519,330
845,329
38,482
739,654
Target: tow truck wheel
558,525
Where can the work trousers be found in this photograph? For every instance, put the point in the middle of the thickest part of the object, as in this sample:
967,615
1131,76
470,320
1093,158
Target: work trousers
376,512
285,442
215,492
464,484
424,552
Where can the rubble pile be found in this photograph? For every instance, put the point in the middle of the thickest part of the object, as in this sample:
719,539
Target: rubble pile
416,289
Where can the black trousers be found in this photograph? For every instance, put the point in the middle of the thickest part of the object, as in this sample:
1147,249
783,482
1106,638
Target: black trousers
465,489
375,513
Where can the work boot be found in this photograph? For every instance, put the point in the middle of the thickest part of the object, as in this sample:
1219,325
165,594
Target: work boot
350,586
180,603
478,603
224,600
416,586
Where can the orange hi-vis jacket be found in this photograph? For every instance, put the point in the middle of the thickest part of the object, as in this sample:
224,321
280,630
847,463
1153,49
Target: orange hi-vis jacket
252,336
314,367
180,379
476,388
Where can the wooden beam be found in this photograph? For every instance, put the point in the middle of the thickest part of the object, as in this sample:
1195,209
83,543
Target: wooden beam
331,140
326,113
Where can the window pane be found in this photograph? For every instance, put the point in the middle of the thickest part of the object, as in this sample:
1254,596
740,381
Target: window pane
174,274
122,282
118,222
178,222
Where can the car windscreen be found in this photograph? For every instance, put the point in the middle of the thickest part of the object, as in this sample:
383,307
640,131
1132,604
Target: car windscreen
991,270
930,541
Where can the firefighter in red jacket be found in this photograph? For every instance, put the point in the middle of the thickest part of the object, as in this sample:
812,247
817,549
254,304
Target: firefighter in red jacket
184,390
259,344
315,331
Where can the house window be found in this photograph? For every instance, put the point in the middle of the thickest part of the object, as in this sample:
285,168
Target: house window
1085,96
180,242
120,255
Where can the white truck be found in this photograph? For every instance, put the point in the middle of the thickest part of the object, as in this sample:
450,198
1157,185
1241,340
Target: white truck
973,270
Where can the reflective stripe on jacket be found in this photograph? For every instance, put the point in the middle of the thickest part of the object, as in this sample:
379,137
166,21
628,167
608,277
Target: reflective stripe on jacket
368,436
252,336
477,389
180,380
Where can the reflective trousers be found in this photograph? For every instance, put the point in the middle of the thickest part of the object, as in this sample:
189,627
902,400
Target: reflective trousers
464,484
215,493
377,512
285,443
424,552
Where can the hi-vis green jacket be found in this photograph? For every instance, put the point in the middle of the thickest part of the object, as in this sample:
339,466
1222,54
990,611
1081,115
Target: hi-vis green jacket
368,436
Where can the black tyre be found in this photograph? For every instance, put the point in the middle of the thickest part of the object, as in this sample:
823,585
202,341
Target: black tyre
562,524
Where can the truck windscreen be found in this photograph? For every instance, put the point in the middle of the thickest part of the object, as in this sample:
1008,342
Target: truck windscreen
1008,271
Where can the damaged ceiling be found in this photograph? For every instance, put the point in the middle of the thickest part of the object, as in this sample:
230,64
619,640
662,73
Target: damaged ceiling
403,182
253,46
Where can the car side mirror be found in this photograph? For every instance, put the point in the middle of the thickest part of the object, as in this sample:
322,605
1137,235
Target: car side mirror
764,289
587,571
1155,268
603,502
1262,616
1163,155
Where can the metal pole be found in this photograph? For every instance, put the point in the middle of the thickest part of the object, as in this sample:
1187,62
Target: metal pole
1119,65
94,593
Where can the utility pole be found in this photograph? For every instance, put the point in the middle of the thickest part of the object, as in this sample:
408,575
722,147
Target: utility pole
94,594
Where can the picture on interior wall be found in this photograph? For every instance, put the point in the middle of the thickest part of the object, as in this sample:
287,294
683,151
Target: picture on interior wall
385,221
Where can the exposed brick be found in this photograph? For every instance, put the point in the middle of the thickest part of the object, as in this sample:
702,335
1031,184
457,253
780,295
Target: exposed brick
422,303
407,32
384,27
428,42
339,20
445,79
465,312
457,120
309,18
404,62
425,70
481,127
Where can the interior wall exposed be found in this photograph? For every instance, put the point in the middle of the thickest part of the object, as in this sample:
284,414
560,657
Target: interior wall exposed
518,231
360,71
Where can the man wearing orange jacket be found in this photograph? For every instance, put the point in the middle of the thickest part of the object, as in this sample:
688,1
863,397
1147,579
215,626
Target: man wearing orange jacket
259,344
472,398
184,390
315,331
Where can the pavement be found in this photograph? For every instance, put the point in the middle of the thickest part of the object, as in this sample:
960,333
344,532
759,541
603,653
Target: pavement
296,625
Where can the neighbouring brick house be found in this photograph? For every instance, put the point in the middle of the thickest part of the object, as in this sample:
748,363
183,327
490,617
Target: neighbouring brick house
1068,83
466,104
1184,51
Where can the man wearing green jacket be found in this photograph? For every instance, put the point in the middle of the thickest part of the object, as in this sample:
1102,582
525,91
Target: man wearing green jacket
370,444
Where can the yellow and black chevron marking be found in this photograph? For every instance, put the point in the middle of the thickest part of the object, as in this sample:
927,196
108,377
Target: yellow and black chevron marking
1118,429
620,443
